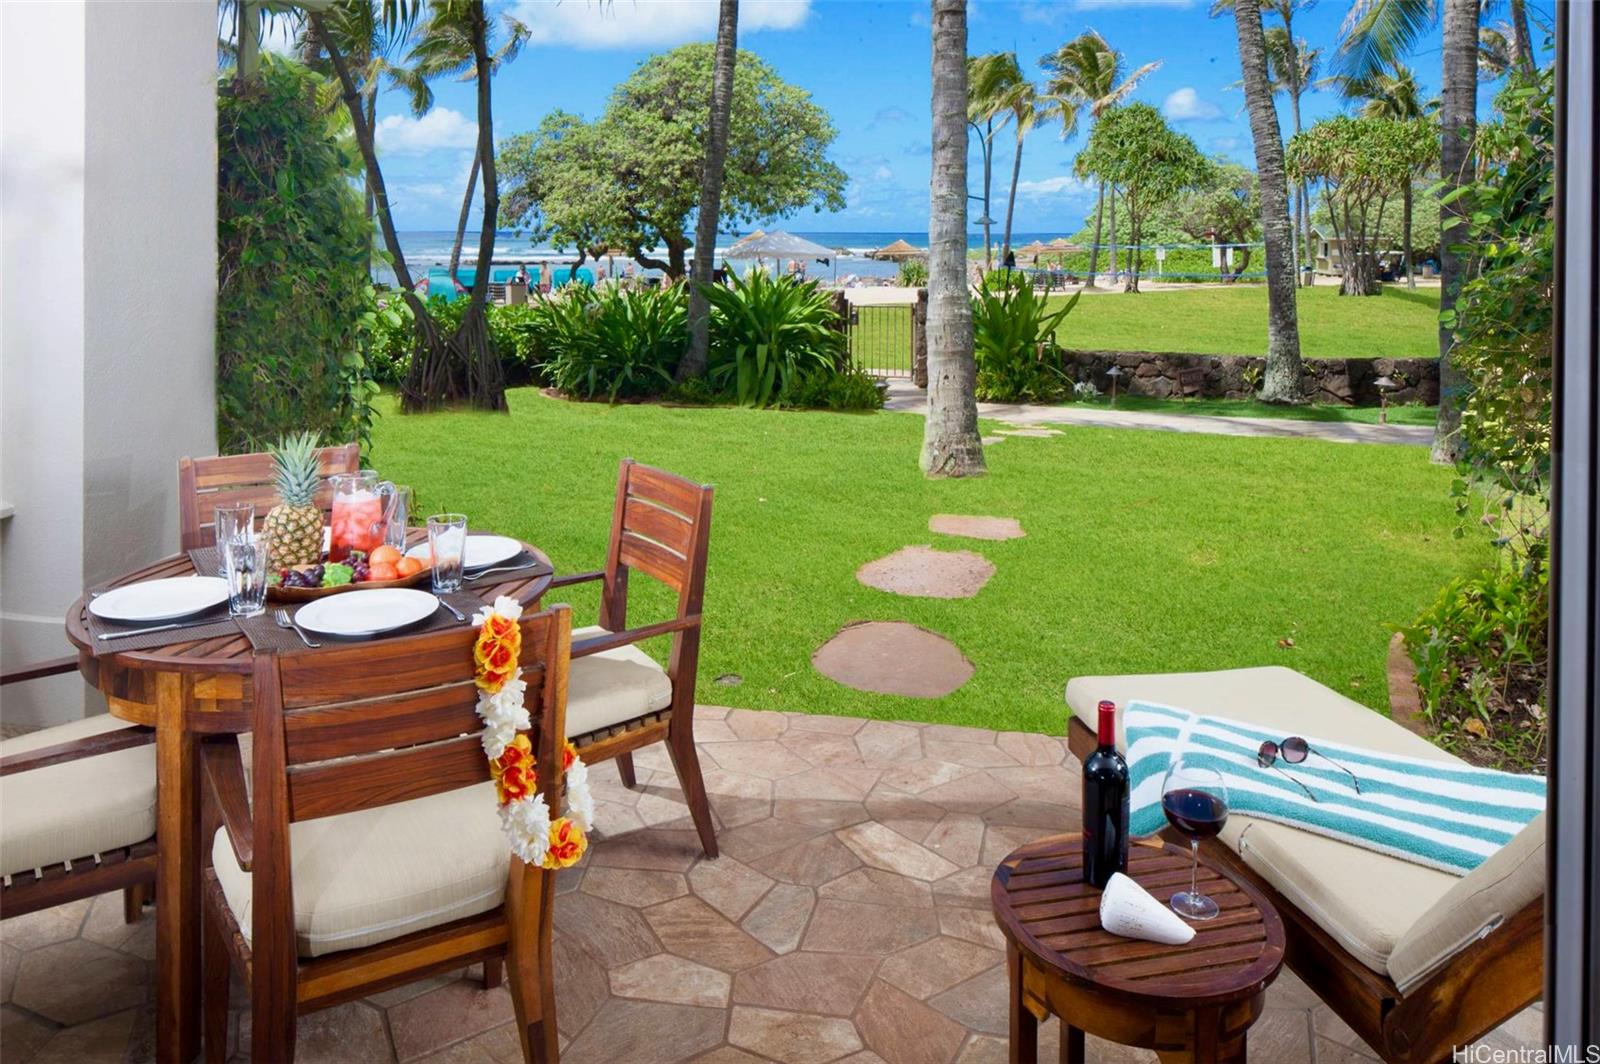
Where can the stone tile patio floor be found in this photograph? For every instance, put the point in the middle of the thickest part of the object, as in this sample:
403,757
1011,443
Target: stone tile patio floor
848,919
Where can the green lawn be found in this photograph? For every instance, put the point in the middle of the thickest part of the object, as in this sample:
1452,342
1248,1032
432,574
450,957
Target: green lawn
1146,551
1398,415
1216,320
1232,320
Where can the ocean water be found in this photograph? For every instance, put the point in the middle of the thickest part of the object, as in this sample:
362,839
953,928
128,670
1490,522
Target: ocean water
425,248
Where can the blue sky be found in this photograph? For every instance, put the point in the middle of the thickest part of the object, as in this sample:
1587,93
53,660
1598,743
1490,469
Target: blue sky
867,65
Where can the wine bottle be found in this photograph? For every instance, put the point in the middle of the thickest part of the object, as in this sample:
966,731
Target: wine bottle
1105,805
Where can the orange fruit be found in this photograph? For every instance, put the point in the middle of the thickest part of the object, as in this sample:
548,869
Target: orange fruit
384,555
383,571
409,566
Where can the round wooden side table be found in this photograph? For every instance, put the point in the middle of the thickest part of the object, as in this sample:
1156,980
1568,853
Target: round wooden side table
1190,1003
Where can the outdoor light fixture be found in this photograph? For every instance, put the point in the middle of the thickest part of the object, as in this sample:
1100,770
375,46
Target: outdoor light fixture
1114,373
1385,384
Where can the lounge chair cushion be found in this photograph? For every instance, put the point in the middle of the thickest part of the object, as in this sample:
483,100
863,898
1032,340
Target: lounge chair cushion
613,686
1365,900
371,876
1478,903
76,808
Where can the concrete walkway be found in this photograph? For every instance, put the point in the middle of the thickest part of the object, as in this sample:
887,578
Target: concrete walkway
906,398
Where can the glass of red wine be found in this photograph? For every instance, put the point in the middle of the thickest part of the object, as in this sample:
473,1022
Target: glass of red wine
1196,803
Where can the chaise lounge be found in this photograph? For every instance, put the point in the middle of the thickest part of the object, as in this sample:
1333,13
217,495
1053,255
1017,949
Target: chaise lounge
1415,960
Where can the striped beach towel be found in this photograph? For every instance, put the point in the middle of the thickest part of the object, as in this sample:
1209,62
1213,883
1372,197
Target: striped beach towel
1446,815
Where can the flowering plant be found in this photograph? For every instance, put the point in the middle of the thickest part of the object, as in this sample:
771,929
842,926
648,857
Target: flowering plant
524,815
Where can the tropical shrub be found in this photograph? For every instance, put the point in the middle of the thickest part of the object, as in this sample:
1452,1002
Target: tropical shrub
845,389
1480,650
1014,341
913,273
766,331
295,304
514,333
612,342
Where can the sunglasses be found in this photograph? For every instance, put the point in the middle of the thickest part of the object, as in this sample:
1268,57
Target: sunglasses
1294,750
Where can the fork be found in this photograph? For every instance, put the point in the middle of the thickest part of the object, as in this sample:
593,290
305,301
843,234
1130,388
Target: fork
285,621
503,569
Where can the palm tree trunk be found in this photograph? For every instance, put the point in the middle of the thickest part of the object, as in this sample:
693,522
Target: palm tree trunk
951,446
1112,210
988,174
705,233
1458,125
488,384
1011,199
461,222
1281,381
372,123
1405,229
1099,215
1520,36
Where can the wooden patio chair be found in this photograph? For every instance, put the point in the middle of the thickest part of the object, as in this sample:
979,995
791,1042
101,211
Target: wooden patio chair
620,699
369,853
206,483
1416,961
80,810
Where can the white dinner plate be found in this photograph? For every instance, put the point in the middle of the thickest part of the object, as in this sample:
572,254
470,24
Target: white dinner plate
359,614
482,551
160,600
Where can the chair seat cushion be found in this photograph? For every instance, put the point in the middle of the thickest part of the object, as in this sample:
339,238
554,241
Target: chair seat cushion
613,686
371,876
1365,900
76,808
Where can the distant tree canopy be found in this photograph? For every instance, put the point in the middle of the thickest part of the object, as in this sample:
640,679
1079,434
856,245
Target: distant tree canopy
1362,163
1147,162
631,178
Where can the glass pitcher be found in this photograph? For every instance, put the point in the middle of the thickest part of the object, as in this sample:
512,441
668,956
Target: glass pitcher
362,508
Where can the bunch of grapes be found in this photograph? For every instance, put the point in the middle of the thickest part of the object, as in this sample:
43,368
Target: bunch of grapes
311,577
363,571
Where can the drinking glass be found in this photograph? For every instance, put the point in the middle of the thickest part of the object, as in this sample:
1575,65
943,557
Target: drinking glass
1196,803
447,542
245,563
405,501
232,521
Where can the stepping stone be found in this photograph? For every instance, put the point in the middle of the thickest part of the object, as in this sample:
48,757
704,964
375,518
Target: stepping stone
923,572
990,441
893,658
1035,433
976,527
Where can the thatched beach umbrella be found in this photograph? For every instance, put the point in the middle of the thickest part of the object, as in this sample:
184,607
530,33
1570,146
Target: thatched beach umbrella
899,251
1033,250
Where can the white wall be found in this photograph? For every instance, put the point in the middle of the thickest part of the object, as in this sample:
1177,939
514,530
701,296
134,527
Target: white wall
107,305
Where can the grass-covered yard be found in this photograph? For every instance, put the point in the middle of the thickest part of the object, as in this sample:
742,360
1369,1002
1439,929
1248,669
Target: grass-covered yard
1145,551
1413,414
1232,320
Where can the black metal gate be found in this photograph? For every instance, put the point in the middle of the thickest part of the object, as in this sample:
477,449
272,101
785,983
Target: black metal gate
881,339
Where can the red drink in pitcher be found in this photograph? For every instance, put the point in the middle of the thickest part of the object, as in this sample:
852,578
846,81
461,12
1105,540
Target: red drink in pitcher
362,506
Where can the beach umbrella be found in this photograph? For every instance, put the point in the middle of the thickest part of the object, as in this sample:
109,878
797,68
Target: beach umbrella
1061,245
899,251
1033,250
779,245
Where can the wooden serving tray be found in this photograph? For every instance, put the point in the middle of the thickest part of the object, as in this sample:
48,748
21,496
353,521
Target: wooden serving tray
279,593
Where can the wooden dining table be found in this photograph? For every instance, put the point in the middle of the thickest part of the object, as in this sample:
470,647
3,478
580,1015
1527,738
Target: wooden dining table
186,690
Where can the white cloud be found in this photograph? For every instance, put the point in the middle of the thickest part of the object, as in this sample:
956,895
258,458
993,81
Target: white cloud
439,128
1051,186
882,173
598,24
1185,105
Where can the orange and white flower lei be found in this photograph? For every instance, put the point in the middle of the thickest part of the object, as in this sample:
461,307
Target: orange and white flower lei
524,815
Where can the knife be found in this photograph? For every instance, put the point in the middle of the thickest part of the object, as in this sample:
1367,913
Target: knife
157,628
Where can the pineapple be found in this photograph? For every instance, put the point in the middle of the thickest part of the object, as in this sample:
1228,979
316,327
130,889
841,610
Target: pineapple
293,528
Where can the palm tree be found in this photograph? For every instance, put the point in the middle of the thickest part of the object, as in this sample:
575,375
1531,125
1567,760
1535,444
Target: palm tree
1281,383
1392,93
1377,32
951,446
371,43
1292,69
988,78
705,232
444,49
998,88
1086,73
